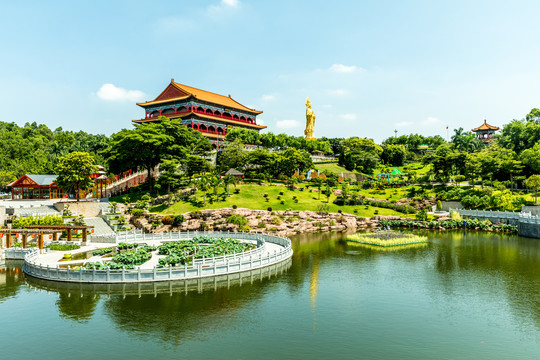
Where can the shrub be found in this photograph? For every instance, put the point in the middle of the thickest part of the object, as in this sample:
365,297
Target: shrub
332,222
237,191
204,225
275,220
261,225
237,219
282,202
281,193
376,212
137,212
339,211
269,208
234,207
178,220
439,205
60,247
421,215
167,220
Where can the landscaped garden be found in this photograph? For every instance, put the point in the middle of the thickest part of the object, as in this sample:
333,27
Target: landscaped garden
172,253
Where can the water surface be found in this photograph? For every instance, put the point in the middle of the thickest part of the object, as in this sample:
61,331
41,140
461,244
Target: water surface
463,295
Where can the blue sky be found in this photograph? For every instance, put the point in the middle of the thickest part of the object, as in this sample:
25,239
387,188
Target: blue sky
369,67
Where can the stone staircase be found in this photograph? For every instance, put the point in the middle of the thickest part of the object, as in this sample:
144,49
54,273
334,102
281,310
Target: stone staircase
100,226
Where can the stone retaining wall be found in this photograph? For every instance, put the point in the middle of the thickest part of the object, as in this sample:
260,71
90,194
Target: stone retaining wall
284,223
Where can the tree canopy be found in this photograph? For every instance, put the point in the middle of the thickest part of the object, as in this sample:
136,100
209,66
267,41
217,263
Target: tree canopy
74,171
148,144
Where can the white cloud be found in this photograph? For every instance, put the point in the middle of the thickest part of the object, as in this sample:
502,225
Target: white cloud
431,120
348,116
109,92
268,97
231,3
287,124
340,68
337,92
403,123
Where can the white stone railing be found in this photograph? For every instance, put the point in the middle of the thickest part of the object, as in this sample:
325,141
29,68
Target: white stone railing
200,268
18,253
521,217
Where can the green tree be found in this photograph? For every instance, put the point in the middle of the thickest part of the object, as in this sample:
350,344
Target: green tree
149,143
74,171
533,115
533,183
360,154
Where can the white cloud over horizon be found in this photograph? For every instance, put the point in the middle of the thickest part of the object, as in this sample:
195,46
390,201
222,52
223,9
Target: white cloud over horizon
231,3
287,124
340,68
431,121
109,92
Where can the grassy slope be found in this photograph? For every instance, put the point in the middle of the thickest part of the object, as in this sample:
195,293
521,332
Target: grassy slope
251,196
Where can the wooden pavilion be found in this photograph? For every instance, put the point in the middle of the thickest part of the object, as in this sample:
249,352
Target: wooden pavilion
30,186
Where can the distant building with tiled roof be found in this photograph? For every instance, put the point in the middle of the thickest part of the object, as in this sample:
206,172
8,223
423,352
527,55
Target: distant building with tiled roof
485,132
211,114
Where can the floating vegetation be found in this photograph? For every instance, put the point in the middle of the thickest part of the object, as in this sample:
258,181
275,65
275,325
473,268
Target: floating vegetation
387,248
387,238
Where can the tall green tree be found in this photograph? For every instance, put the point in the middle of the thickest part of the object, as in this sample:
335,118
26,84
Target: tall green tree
533,183
149,143
74,171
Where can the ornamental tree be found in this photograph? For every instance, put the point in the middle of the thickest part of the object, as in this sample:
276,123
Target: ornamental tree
533,183
74,172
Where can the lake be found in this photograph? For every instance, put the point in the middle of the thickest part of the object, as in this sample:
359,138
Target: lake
462,295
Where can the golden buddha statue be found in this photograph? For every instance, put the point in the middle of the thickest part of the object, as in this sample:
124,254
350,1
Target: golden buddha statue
310,121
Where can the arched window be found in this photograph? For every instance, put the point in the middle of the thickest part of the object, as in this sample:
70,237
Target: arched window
217,113
200,109
220,131
209,111
242,118
203,127
195,126
211,128
226,114
181,109
167,111
154,113
235,117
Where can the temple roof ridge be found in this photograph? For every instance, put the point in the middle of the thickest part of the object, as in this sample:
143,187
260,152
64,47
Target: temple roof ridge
200,94
485,126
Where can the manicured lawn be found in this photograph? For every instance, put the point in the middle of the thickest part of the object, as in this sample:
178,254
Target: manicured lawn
251,196
332,168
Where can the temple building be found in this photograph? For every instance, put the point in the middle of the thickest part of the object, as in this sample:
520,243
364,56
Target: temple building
31,186
485,132
209,113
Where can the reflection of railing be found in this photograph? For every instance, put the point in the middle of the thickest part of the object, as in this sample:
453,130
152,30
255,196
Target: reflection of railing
201,267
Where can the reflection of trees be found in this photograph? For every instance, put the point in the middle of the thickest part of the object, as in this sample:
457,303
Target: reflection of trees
11,279
76,306
173,317
497,261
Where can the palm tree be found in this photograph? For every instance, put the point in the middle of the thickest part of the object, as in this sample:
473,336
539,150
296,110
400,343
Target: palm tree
215,181
227,180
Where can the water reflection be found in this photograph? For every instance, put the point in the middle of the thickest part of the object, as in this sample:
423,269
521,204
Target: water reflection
11,279
329,284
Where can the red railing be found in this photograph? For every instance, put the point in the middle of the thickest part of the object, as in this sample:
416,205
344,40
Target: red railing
254,122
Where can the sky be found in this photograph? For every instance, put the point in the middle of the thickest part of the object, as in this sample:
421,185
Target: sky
369,67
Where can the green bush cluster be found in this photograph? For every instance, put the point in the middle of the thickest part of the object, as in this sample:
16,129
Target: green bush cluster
24,222
237,219
126,246
61,247
449,224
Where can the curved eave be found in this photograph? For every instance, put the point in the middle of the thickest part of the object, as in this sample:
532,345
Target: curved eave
165,101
